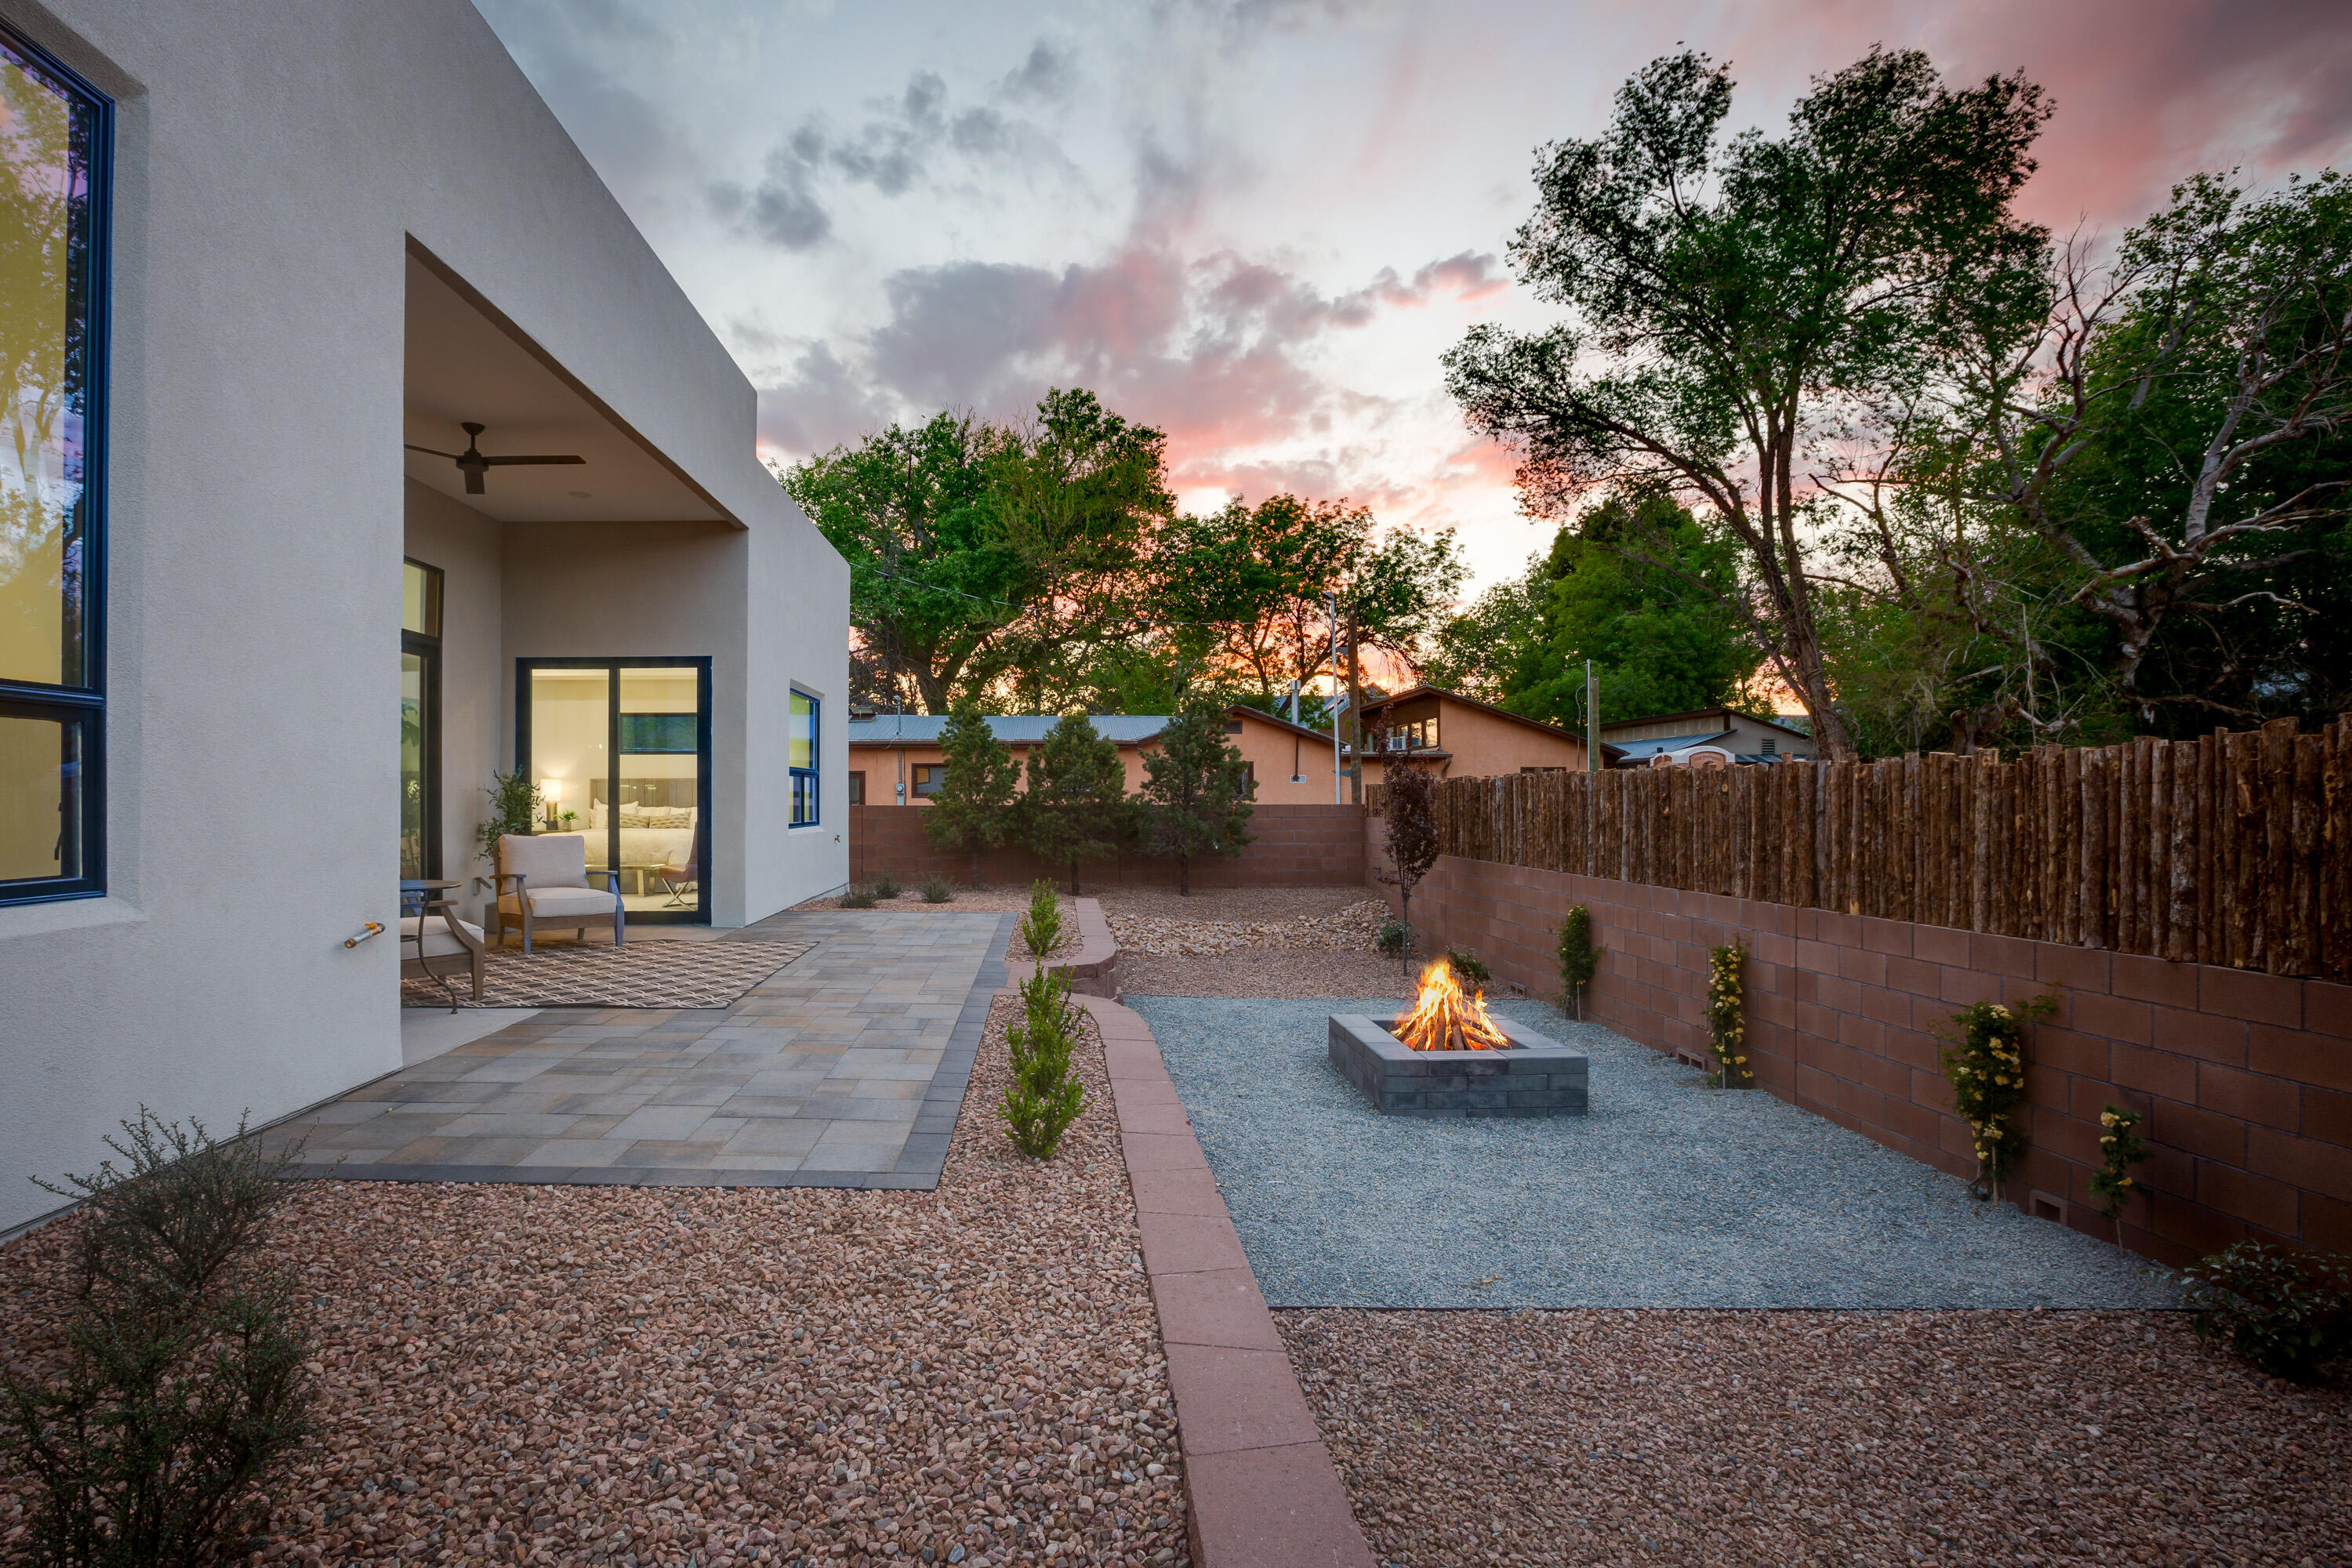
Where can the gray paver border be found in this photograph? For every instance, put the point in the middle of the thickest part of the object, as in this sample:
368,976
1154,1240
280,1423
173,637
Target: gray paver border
920,1167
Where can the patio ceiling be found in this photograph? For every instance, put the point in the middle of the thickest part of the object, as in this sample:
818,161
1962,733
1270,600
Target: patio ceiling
466,361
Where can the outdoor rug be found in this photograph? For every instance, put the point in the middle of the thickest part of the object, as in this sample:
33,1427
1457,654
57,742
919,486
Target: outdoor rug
644,974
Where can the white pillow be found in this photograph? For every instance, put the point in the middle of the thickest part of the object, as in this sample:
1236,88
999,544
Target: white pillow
596,815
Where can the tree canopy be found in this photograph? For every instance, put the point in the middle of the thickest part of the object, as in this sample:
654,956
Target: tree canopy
1195,799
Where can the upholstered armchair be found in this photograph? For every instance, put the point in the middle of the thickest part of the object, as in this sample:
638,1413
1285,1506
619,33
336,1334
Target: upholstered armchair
542,884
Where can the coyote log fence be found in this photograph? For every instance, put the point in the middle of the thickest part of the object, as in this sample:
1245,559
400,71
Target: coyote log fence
2230,848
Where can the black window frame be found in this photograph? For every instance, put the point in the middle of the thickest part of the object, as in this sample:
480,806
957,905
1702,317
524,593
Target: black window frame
857,786
426,647
919,774
806,785
82,706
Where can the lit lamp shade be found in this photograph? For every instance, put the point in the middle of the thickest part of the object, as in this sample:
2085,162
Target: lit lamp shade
550,794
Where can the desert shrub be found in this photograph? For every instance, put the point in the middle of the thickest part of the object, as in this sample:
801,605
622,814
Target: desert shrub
886,886
936,891
858,897
1044,1098
1041,928
1468,965
1579,959
2288,1314
1393,938
179,1376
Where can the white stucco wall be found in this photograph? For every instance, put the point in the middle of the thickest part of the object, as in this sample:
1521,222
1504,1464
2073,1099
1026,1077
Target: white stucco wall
273,158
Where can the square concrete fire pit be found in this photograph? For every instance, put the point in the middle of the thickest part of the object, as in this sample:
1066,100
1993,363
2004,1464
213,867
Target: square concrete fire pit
1536,1076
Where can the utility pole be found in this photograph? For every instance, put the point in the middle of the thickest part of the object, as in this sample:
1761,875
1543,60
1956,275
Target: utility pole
1592,720
1355,716
1331,609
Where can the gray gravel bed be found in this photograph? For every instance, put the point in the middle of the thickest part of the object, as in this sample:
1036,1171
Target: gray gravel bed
1667,1194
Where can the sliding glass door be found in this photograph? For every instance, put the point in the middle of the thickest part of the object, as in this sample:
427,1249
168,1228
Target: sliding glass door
620,749
420,721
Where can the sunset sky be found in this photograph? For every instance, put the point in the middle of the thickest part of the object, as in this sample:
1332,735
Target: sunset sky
1256,225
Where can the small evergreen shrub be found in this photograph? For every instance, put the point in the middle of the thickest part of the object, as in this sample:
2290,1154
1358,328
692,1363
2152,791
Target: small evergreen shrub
1580,960
938,890
180,1375
886,886
858,897
1044,1098
1393,937
1468,965
1041,928
2288,1314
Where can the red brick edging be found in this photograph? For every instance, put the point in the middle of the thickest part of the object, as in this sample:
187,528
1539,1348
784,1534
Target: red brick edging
1262,1488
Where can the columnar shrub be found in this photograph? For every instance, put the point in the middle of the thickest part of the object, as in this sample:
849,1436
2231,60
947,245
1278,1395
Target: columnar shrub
1041,928
1985,1061
1580,960
1045,1098
1726,1023
2122,1147
179,1377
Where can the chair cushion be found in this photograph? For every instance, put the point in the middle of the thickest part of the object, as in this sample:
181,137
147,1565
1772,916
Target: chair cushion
438,942
546,901
547,859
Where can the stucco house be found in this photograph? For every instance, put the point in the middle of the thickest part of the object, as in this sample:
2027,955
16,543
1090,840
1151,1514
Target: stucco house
277,249
896,759
1716,736
1462,737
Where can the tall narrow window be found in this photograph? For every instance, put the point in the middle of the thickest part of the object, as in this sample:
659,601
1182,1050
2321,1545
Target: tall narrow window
54,150
801,743
420,719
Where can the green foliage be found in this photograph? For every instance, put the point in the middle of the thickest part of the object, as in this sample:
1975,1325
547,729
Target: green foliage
1726,1015
1076,808
1045,1098
1392,939
1195,799
514,808
2121,1147
1653,599
975,807
938,890
1746,312
1985,1061
2289,1314
1468,967
180,1378
1579,959
858,897
886,886
1041,928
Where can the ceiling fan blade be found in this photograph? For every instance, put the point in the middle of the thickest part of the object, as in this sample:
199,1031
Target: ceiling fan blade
504,461
474,481
430,451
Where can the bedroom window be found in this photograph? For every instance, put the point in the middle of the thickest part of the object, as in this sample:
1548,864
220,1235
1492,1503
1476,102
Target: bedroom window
802,742
54,152
928,777
620,752
858,789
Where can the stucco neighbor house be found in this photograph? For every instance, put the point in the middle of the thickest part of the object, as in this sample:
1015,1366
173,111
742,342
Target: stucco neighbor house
896,759
275,247
1462,737
1719,735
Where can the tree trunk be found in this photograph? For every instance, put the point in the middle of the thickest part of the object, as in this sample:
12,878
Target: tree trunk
1183,876
1074,876
975,866
1405,948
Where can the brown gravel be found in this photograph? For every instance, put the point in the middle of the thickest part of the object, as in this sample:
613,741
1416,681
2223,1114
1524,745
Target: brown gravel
1142,900
1263,972
1931,1439
594,1376
1350,930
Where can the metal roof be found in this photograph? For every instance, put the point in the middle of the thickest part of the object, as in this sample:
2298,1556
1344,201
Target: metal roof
1663,744
1011,729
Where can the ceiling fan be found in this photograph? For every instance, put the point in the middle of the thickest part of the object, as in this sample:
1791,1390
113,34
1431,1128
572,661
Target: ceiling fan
473,465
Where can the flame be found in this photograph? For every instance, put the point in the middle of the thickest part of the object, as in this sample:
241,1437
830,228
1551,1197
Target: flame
1444,1019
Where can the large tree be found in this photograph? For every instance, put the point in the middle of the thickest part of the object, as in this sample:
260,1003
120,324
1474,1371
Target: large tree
974,808
1195,799
1076,808
1740,308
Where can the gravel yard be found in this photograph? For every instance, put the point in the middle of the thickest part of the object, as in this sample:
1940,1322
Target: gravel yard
1667,1195
1935,1439
1142,900
614,1375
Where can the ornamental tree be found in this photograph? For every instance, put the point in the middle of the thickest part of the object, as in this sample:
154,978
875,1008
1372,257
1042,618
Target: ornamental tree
975,807
1196,791
1076,808
1415,839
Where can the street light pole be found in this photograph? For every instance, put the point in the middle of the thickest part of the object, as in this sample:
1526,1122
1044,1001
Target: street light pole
1592,720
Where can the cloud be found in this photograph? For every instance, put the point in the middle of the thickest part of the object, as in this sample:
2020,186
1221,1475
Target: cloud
1047,76
783,209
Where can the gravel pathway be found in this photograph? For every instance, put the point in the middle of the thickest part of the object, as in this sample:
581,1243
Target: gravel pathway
694,1377
1667,1195
1826,1439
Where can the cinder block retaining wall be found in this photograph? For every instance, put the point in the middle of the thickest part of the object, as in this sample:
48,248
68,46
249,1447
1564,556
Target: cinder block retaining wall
2246,1077
1296,846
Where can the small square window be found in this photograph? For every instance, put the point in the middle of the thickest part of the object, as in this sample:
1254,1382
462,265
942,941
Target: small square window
928,777
858,788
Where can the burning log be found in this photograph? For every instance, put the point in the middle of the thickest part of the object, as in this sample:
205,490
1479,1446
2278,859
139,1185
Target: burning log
1445,1019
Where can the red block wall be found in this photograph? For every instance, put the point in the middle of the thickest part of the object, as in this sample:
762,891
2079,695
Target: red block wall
1296,846
2245,1079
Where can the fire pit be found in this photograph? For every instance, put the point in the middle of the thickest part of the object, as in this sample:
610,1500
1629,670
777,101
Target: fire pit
1449,1057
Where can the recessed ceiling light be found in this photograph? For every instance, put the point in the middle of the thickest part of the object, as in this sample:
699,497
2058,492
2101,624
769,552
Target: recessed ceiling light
579,495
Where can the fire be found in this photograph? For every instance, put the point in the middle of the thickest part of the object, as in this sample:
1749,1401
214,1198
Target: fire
1444,1019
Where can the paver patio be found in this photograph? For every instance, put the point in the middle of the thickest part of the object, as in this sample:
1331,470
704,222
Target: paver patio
844,1069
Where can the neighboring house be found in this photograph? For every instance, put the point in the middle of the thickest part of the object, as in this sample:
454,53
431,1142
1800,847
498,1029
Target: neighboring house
896,759
1462,737
269,245
1707,735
